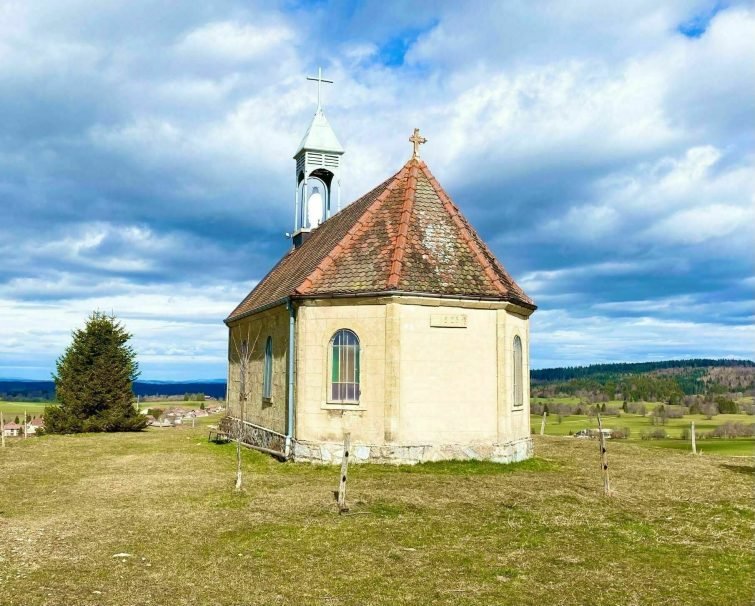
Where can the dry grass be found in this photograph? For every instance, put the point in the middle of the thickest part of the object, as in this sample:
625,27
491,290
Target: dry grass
678,531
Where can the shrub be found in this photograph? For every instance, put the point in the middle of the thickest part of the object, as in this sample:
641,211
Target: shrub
638,408
709,410
726,406
732,430
156,413
656,434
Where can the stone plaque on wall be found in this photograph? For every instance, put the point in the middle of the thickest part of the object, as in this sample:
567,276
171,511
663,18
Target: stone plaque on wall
448,320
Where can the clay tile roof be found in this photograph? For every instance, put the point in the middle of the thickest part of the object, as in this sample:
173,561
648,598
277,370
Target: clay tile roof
406,235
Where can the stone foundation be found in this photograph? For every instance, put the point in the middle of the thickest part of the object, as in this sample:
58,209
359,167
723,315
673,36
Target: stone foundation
331,453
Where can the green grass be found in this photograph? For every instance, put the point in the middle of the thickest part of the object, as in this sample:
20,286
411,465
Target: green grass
734,447
673,427
635,423
12,409
538,532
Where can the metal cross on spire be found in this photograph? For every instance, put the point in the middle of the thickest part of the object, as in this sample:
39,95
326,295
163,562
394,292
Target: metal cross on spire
416,141
319,79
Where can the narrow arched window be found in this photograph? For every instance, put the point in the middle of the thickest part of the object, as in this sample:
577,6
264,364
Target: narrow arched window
344,367
518,378
267,370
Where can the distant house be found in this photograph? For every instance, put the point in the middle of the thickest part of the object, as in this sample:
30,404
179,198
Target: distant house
34,425
12,430
593,433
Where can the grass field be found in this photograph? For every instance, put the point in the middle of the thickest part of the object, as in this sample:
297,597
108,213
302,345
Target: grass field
12,409
673,427
38,408
679,529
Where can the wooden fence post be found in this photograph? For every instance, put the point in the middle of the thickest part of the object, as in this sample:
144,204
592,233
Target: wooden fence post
2,430
603,459
694,439
542,425
342,507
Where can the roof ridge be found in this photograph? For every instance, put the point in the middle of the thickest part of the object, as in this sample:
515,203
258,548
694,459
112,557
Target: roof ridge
397,258
465,230
356,230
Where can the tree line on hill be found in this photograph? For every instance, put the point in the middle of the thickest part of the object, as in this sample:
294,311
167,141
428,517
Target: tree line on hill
600,371
669,381
44,391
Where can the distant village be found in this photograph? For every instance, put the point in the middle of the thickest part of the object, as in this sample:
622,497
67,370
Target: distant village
178,415
19,430
156,417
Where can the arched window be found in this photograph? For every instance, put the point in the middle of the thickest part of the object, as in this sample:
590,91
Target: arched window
267,370
344,367
518,378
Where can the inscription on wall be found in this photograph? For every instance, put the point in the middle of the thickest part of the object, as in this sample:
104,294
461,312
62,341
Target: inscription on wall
448,320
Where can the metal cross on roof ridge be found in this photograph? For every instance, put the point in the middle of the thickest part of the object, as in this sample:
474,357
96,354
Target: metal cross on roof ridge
319,79
416,140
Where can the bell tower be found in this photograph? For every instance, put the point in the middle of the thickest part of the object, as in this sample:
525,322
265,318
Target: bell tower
318,172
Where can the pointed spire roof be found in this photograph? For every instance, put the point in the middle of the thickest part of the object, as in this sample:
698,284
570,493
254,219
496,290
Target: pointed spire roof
320,136
404,236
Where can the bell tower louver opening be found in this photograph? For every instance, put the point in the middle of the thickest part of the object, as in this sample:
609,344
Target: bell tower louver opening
318,172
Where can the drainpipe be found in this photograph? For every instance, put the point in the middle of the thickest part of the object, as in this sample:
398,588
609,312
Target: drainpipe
291,382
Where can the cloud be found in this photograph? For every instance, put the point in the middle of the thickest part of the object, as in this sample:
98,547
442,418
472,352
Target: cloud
233,42
145,159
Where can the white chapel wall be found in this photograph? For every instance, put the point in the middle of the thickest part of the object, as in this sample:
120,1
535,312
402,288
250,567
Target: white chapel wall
448,382
316,418
271,413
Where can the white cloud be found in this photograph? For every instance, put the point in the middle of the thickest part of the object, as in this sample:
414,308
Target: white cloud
697,225
559,338
232,41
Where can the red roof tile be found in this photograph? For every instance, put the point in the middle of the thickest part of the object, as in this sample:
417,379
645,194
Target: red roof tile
406,235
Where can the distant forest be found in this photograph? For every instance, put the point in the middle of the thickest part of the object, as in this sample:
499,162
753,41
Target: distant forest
44,391
618,368
670,380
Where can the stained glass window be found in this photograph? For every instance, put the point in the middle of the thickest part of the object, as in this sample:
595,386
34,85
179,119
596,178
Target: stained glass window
518,378
267,370
344,367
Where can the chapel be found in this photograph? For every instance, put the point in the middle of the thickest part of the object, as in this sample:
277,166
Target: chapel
389,318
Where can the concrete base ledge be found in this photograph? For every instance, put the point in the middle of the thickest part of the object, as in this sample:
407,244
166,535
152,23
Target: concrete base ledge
400,454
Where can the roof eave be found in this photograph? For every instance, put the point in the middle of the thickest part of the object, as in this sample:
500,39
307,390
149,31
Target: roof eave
282,301
407,293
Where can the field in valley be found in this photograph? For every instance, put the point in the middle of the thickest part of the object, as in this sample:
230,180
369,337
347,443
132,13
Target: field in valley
11,410
679,529
637,424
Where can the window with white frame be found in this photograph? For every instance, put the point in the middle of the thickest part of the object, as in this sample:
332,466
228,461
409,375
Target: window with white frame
344,368
518,378
267,370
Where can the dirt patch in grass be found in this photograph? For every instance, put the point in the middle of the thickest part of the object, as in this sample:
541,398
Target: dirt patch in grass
679,529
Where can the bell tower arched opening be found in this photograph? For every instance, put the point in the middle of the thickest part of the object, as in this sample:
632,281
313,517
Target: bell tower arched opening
318,174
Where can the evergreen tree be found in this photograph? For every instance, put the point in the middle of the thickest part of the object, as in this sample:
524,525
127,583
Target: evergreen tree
94,380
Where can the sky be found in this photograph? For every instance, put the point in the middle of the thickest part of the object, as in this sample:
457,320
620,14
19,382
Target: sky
604,150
